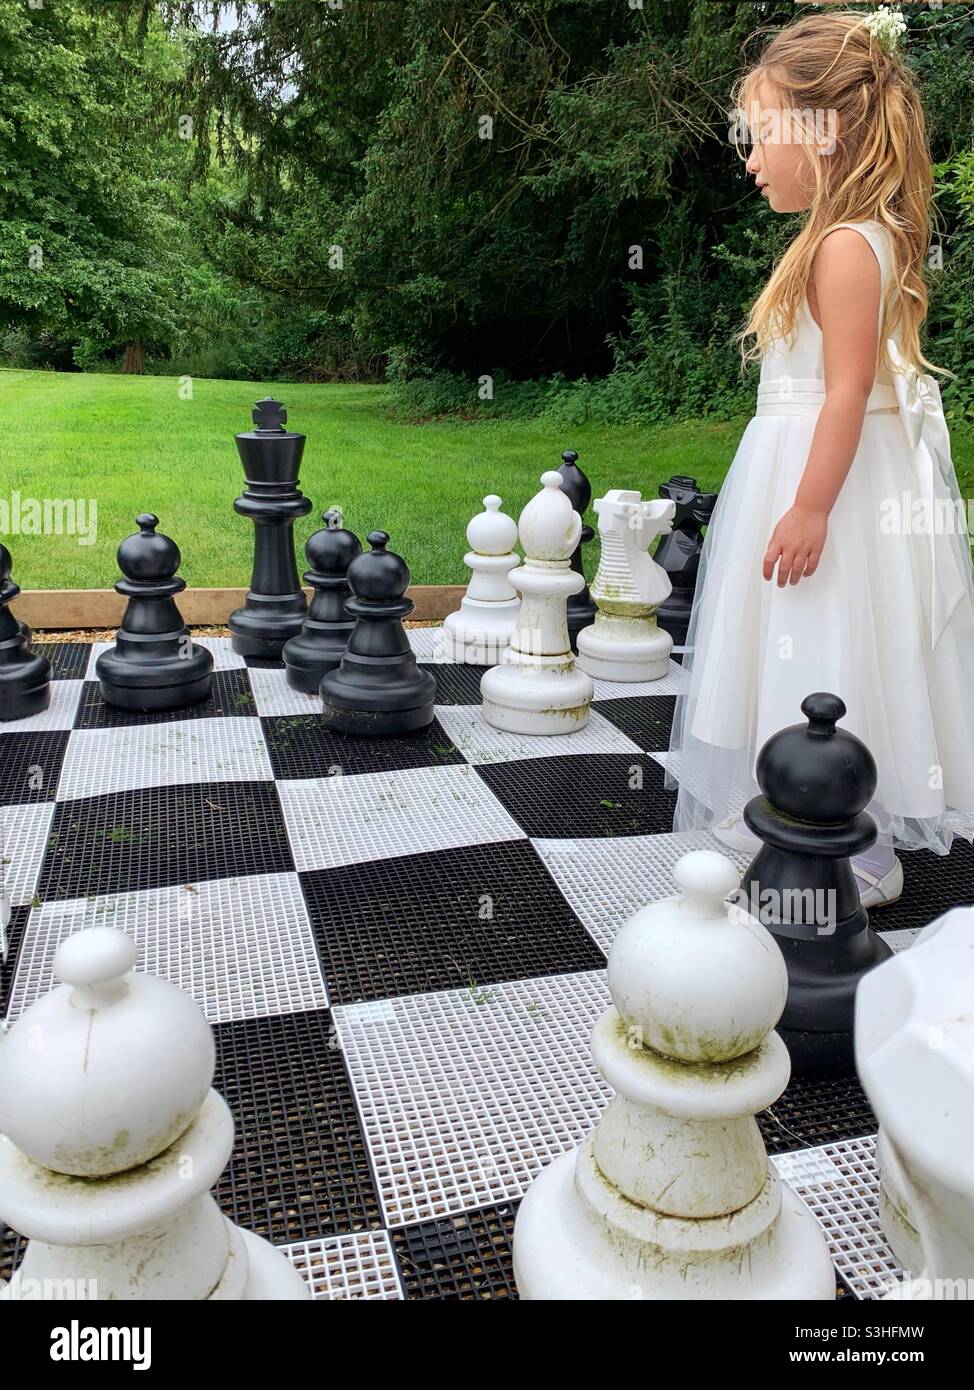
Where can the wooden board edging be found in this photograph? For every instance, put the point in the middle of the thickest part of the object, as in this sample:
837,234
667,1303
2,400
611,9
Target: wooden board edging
64,609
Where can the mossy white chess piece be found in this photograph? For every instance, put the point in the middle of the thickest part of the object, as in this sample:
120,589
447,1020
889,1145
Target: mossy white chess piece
914,1032
624,643
537,687
112,1138
482,626
673,1195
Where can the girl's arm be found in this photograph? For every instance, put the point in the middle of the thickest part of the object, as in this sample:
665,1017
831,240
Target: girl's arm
846,280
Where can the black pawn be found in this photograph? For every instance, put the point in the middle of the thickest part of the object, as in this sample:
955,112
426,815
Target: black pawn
378,690
25,676
274,608
320,645
578,489
679,552
817,781
154,664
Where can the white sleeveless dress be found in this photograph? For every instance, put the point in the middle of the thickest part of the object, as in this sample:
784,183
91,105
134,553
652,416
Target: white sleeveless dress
886,622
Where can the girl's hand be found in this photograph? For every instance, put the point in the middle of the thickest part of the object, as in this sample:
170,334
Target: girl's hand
796,545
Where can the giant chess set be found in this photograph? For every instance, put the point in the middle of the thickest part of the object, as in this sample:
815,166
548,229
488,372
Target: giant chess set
350,960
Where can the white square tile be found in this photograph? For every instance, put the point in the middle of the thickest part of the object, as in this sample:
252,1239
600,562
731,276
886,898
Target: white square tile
241,947
378,815
607,880
358,1265
480,742
99,761
274,696
465,1095
60,713
23,840
670,684
428,643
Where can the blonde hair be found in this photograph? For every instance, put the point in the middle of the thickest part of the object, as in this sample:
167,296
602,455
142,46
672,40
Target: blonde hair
879,169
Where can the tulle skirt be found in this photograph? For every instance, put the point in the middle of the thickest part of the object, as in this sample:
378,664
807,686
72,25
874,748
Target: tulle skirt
859,628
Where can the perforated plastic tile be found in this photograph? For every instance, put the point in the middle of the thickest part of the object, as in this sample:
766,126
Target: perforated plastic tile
60,713
351,1266
164,835
241,947
932,885
466,1256
301,747
816,1111
897,940
587,795
100,761
69,660
427,643
670,684
838,1183
24,832
274,696
230,695
480,742
347,820
457,917
299,1169
456,684
646,719
607,880
9,954
30,765
465,1095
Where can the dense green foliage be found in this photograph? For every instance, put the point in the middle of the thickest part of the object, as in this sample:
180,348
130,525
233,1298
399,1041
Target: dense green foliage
506,207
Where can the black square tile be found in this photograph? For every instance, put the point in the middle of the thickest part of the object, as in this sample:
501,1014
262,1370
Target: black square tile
230,695
30,766
459,1257
456,684
69,660
15,935
264,663
646,719
163,835
444,920
301,746
584,795
299,1168
813,1111
932,885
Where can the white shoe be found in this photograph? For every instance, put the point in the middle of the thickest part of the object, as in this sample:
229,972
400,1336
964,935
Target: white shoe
734,834
879,892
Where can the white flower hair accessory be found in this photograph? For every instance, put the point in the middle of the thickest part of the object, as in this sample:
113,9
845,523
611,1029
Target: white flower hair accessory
886,26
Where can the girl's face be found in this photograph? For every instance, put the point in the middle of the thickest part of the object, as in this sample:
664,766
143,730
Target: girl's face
777,161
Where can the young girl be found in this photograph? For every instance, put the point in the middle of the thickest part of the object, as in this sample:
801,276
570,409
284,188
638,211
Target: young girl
837,558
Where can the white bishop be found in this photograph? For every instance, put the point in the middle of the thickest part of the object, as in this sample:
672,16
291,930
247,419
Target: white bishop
111,1138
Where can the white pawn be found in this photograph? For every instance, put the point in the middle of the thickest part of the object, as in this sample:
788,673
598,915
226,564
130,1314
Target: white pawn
624,643
673,1195
482,626
537,688
914,1033
112,1138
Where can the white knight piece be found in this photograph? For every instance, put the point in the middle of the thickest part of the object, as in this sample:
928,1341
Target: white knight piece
625,643
537,687
482,626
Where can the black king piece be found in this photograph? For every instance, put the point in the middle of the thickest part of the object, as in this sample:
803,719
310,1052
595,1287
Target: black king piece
817,781
274,608
578,490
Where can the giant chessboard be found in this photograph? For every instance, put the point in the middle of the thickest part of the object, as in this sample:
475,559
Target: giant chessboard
401,947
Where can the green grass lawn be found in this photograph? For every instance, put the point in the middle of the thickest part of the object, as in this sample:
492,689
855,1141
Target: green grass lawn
132,445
